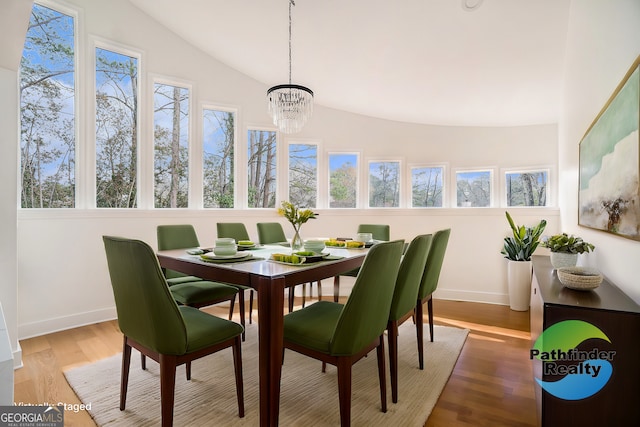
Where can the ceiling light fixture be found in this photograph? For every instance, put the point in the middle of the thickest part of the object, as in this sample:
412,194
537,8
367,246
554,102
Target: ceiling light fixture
472,5
290,105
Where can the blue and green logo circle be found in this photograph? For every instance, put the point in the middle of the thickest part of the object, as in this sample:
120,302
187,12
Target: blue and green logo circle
584,372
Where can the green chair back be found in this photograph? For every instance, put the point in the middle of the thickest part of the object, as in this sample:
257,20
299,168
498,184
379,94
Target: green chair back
434,263
147,312
365,315
180,236
234,230
379,231
270,232
410,277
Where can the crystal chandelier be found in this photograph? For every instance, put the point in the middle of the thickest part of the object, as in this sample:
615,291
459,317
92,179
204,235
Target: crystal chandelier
290,105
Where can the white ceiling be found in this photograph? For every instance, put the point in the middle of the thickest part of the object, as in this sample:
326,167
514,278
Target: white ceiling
423,61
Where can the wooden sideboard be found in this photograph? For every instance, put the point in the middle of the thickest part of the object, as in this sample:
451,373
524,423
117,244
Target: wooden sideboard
618,317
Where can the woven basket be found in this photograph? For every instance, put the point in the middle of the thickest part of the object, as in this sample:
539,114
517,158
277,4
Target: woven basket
579,278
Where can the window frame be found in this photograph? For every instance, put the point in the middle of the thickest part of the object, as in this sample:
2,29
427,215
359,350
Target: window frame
550,170
401,192
445,184
144,199
454,186
303,141
358,166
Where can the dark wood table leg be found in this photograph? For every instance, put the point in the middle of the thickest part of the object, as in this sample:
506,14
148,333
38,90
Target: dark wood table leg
270,332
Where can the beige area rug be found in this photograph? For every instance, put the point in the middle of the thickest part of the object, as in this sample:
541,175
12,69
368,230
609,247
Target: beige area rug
308,397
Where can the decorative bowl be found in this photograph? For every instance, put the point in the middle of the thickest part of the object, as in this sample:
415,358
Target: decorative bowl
225,249
314,245
364,237
579,278
225,241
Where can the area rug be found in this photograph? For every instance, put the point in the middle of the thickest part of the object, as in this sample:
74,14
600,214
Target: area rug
308,396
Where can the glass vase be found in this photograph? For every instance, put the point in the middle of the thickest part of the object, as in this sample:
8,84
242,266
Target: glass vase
296,242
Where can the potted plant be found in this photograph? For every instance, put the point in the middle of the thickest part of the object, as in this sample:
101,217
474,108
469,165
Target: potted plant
565,249
518,249
296,217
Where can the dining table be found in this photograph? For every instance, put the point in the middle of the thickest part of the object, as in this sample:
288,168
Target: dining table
269,278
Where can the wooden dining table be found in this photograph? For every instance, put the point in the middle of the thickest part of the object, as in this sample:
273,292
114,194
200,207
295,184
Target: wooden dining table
269,279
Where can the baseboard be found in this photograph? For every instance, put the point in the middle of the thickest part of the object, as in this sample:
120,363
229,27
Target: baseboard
34,329
484,297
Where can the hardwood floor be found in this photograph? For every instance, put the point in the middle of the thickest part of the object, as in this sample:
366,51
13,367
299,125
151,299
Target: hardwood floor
491,384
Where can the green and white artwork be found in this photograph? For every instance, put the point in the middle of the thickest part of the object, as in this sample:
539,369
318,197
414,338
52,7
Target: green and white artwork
609,194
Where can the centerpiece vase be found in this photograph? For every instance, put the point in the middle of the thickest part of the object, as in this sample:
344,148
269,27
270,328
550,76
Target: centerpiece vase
296,241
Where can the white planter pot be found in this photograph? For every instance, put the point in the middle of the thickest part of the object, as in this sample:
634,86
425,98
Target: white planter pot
562,259
519,281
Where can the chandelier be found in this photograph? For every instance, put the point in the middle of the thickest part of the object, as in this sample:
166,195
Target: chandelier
290,105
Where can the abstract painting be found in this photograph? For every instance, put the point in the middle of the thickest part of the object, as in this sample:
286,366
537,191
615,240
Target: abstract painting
609,189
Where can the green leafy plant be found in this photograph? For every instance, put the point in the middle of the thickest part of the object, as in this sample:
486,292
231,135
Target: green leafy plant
524,241
567,244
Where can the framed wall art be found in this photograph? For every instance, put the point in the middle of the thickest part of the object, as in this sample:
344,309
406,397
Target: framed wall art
609,189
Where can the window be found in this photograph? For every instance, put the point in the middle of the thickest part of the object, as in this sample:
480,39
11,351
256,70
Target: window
473,188
384,184
218,146
171,145
526,188
427,187
303,175
261,169
343,180
47,111
116,129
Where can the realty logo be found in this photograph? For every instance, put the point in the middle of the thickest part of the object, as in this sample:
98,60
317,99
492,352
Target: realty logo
585,372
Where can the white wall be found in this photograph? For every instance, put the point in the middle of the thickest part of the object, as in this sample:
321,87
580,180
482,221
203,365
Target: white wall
603,41
63,280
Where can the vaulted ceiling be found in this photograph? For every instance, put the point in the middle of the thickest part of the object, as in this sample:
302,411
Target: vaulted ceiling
424,61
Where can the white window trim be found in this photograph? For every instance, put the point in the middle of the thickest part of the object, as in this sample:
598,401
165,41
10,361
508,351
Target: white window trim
145,140
359,168
445,184
198,156
551,185
401,173
454,185
319,163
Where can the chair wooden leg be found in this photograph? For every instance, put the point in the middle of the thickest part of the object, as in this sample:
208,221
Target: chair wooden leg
143,362
420,333
237,364
304,293
319,284
187,368
250,307
124,380
167,387
241,307
336,288
392,329
291,296
344,390
232,306
430,314
382,375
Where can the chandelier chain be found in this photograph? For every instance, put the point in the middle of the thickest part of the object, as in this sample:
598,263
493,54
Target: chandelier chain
291,2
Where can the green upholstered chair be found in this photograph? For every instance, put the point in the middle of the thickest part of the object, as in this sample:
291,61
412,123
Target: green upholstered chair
191,290
404,299
153,323
343,334
428,286
379,232
272,232
237,231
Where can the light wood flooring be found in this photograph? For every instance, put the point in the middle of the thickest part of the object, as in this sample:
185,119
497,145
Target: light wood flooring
491,385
